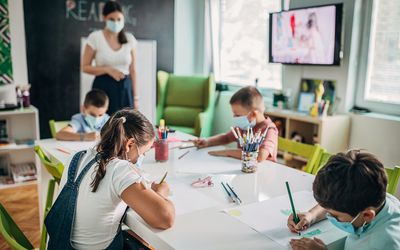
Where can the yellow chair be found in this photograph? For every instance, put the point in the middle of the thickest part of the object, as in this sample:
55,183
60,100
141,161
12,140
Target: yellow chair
323,158
55,168
56,126
309,152
11,233
393,179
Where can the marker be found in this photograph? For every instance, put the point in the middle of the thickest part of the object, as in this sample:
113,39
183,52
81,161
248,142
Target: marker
295,217
165,176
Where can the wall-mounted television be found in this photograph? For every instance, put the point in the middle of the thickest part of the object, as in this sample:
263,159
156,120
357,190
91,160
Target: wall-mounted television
307,36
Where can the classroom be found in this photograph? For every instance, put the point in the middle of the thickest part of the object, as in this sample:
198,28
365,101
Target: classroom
200,124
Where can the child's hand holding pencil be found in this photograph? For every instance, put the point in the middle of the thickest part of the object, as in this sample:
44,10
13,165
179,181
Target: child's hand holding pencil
305,222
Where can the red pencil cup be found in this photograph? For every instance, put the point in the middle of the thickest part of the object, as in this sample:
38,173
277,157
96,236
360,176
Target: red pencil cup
161,148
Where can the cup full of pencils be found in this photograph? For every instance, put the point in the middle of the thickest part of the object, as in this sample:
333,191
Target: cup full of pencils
249,142
161,144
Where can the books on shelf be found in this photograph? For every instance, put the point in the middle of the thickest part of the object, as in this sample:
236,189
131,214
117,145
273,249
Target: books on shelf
23,172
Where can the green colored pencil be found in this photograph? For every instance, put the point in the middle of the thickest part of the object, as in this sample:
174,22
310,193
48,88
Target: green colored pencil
295,217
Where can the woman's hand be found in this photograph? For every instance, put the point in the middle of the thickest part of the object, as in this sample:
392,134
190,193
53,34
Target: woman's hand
223,153
307,244
306,219
136,104
162,189
115,74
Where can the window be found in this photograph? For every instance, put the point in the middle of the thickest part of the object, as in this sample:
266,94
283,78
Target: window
381,91
243,44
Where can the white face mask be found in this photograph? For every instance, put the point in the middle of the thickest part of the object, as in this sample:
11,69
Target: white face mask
93,121
115,26
243,123
140,158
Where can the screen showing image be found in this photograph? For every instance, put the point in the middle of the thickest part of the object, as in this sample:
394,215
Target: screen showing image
305,36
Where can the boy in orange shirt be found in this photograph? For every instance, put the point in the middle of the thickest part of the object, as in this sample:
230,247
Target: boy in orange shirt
248,110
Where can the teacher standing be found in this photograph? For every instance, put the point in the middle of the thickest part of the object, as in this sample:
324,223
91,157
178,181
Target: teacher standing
113,51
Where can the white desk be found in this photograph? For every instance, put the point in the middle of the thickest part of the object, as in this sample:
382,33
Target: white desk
209,228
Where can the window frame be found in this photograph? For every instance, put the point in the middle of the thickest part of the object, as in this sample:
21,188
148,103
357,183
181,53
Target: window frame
360,100
238,84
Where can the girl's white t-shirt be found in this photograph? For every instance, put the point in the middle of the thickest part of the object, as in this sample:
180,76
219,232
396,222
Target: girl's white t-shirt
98,214
120,59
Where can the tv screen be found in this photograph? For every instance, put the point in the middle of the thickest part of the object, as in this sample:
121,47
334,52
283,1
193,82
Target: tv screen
306,36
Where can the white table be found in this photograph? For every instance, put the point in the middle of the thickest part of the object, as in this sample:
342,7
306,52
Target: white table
207,228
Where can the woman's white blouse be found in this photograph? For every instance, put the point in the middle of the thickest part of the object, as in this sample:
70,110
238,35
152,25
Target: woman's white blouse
120,59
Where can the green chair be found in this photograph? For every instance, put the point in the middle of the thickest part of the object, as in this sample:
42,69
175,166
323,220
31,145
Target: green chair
309,152
56,126
55,168
323,158
393,178
186,102
11,233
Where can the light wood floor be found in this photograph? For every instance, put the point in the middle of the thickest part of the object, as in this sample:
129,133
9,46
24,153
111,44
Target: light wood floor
22,204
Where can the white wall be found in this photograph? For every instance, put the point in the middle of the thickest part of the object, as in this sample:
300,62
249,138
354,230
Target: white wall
18,48
378,134
189,37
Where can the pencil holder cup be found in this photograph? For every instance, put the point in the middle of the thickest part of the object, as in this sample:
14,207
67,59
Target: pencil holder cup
249,161
161,150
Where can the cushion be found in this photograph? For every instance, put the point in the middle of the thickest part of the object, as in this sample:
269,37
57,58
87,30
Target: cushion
186,91
181,116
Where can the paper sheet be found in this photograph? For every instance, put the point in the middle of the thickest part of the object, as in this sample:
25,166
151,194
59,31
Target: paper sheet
187,199
200,162
73,147
270,217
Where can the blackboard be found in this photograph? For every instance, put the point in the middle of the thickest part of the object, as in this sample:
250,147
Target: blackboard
53,34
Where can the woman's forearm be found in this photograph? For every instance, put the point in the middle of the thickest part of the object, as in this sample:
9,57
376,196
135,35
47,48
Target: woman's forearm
134,83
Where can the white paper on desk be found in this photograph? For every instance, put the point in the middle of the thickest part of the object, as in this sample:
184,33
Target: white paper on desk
270,217
74,146
187,199
200,162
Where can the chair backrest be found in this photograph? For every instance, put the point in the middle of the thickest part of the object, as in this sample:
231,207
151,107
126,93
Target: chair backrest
323,158
56,126
182,98
393,179
309,152
11,232
52,165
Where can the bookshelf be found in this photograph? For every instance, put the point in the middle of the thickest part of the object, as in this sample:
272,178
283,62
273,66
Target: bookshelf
330,132
22,128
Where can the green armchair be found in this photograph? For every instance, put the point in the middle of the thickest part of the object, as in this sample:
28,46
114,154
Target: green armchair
186,103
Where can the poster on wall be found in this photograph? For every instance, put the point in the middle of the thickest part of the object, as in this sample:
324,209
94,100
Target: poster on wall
5,45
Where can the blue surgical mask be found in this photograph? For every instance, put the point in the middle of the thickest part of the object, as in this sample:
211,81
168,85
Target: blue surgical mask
347,226
140,159
243,123
92,121
115,26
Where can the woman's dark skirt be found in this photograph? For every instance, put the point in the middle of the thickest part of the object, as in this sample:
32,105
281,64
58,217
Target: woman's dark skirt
119,92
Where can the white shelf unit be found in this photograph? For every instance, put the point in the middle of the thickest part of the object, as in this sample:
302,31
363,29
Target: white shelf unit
332,132
22,124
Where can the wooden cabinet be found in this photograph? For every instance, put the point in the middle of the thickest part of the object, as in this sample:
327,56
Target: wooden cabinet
331,132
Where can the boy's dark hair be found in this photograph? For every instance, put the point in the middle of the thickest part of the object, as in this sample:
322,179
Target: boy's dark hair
97,98
249,97
350,182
